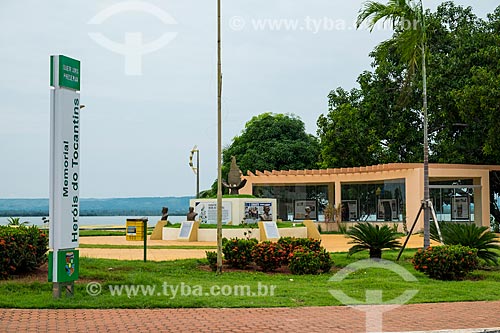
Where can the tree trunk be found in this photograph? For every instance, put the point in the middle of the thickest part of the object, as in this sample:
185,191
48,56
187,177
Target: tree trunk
427,241
375,253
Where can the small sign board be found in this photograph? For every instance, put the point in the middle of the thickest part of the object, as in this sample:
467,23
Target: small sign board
131,230
65,72
186,229
67,265
271,230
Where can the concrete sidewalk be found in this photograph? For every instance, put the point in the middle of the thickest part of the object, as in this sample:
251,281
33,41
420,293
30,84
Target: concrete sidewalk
447,317
333,243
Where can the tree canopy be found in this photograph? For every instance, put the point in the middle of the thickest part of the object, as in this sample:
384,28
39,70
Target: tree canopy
272,142
380,122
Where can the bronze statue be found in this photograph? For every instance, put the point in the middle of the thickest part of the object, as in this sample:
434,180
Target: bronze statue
164,214
191,216
234,182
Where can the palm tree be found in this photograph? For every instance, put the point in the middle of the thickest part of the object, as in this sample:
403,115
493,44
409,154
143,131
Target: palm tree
408,21
16,222
372,238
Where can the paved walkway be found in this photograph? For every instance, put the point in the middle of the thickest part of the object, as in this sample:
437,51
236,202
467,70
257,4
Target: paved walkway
466,317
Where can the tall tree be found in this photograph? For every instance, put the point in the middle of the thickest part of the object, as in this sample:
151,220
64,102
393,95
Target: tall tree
408,21
272,142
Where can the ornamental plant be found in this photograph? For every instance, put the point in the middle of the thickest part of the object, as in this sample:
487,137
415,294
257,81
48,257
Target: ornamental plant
238,252
305,261
22,249
471,235
448,262
268,256
373,238
212,260
289,244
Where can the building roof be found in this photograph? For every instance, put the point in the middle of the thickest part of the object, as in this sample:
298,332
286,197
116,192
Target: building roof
372,168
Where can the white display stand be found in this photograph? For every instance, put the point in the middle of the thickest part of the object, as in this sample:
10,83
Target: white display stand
235,210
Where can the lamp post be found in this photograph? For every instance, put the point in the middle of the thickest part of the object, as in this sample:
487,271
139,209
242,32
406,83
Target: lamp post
196,169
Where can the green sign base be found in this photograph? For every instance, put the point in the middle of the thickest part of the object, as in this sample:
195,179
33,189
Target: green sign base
68,262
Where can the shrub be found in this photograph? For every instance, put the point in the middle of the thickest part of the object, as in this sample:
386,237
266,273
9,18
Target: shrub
305,261
373,238
212,259
238,252
22,249
449,262
289,244
469,234
325,260
268,256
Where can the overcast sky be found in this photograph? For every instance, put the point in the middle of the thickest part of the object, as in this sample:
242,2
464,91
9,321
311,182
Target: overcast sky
143,117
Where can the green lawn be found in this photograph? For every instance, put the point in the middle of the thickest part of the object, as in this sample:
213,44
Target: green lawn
289,290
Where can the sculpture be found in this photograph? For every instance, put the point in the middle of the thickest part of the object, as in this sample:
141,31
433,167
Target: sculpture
164,214
191,215
234,182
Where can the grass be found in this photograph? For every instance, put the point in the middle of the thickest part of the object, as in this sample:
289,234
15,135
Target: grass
290,290
88,233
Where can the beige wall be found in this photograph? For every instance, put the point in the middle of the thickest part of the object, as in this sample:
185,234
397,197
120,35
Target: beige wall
411,172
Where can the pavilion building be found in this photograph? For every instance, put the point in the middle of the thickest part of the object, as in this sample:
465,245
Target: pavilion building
388,193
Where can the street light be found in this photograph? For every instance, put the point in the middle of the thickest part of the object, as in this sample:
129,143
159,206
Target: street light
196,169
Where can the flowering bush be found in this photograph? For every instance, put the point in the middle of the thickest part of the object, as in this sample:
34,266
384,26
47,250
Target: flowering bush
22,249
289,244
305,261
449,262
238,252
268,256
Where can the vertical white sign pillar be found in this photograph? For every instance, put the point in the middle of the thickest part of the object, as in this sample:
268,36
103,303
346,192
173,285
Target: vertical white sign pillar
64,202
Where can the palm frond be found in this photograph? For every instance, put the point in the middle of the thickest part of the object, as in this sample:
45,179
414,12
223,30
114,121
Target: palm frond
374,238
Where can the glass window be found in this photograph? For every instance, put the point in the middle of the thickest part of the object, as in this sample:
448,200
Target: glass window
453,200
376,201
288,195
